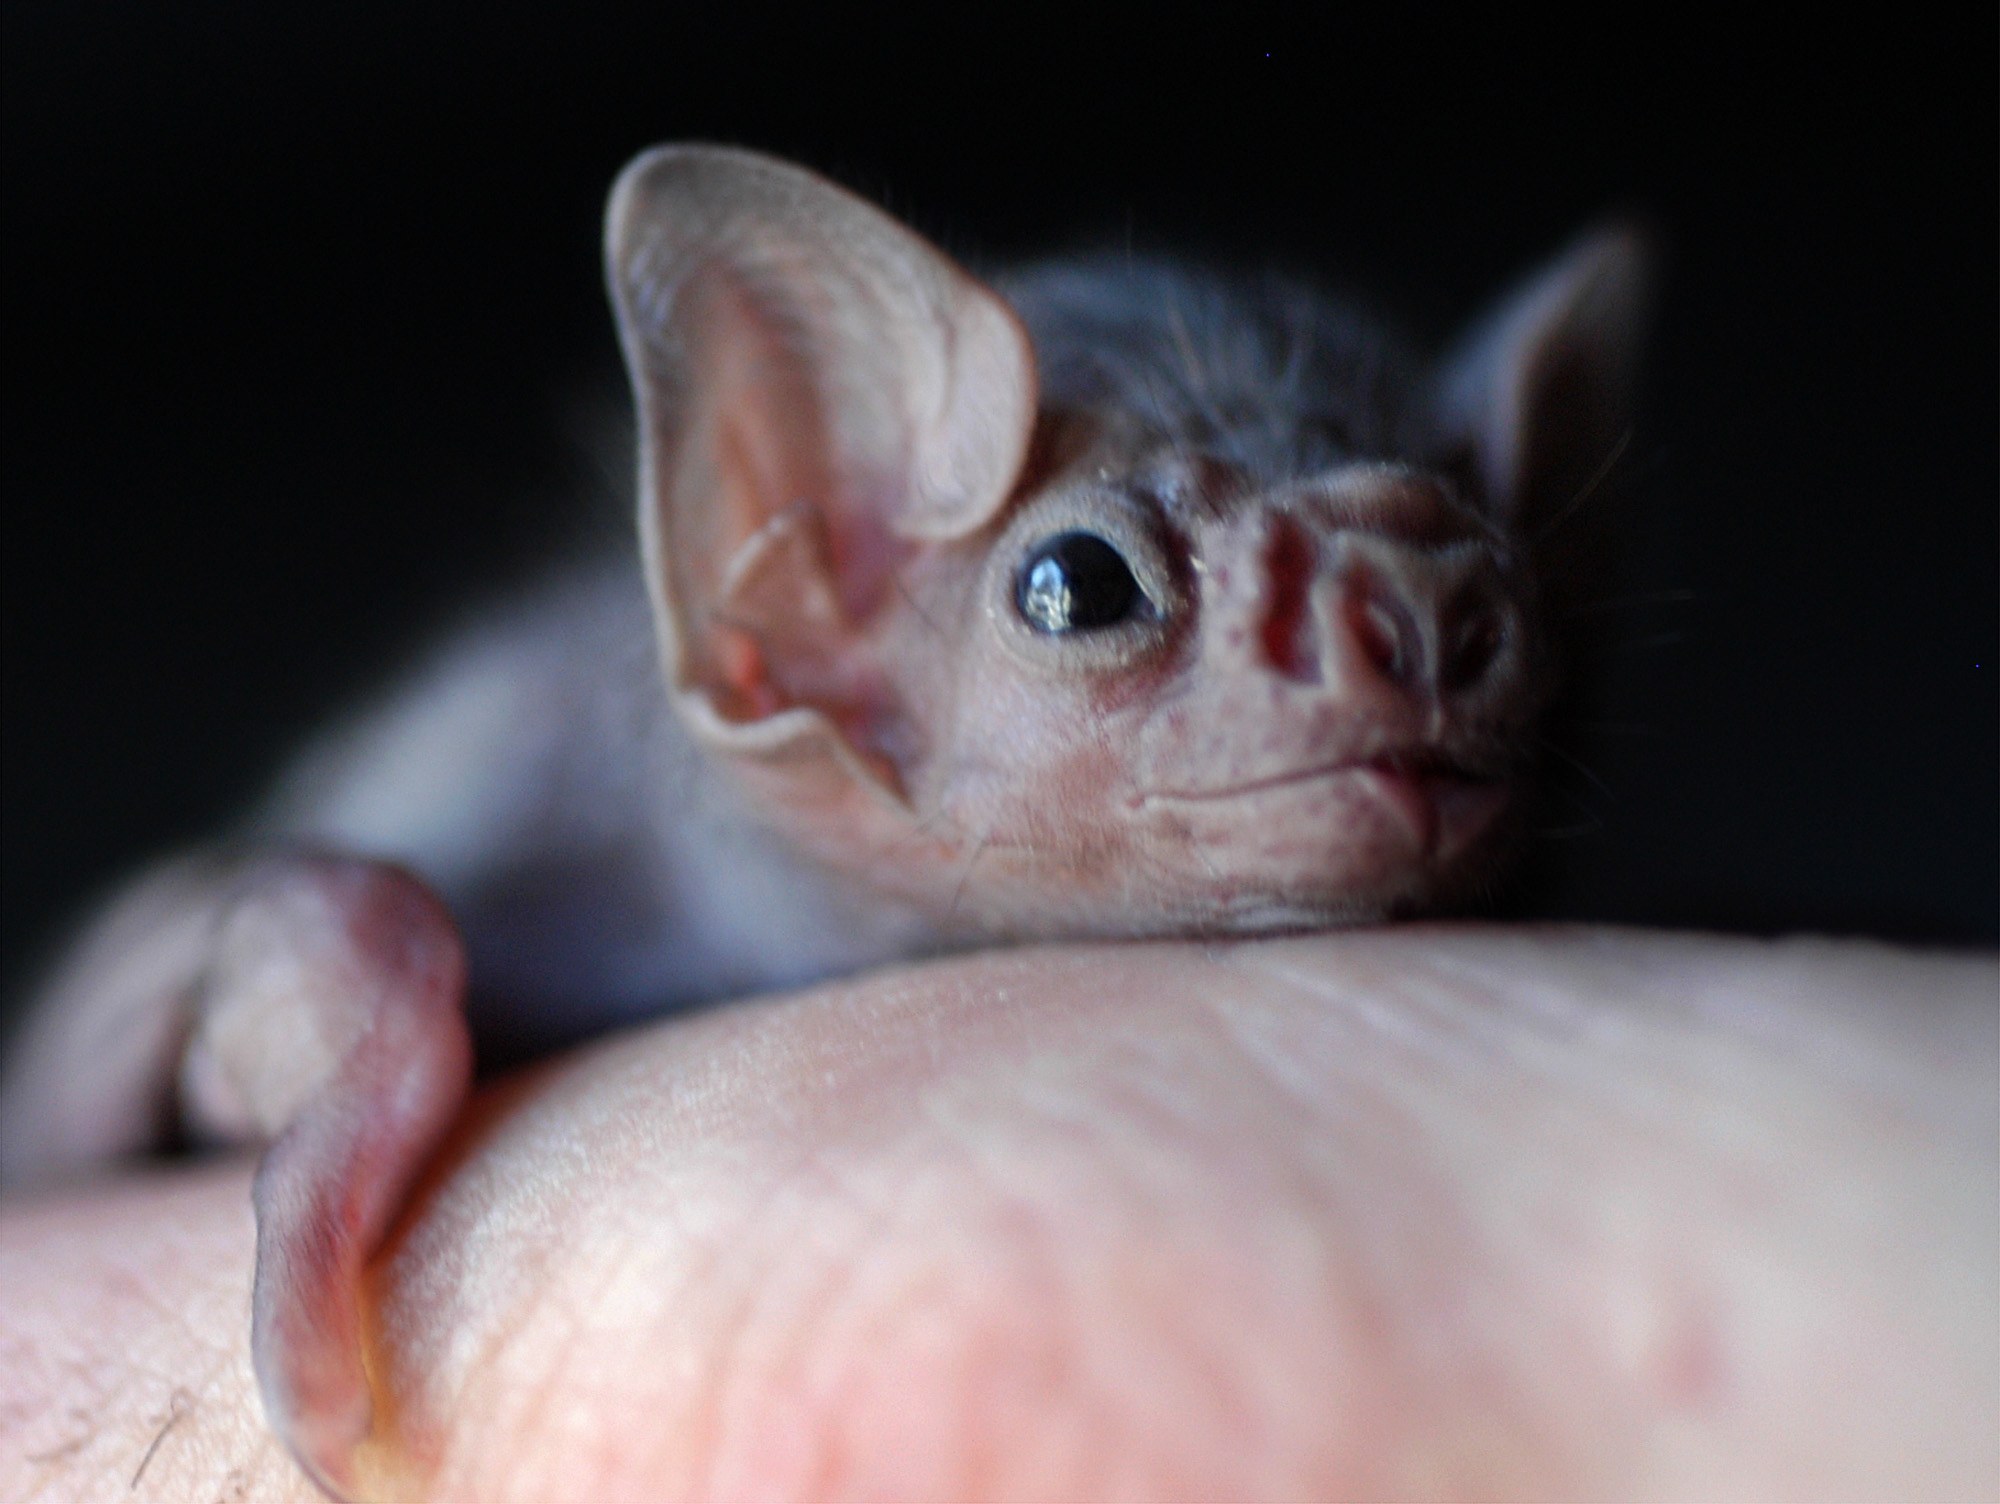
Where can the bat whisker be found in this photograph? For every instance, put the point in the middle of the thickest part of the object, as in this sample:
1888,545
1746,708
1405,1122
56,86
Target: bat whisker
1206,865
1632,602
1184,347
1618,728
911,601
1647,643
1581,767
1570,832
921,829
965,876
1589,487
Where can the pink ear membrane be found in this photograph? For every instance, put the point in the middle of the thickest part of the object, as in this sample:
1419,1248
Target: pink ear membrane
746,689
976,447
822,394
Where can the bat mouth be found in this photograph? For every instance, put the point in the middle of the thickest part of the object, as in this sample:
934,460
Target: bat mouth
1446,803
1449,804
1419,765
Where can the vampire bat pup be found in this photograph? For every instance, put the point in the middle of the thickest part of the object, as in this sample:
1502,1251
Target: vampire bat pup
1110,598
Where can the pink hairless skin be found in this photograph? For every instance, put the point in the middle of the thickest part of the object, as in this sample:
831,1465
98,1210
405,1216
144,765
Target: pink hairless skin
1429,1212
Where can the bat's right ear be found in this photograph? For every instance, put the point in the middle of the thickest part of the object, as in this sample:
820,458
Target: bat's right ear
1539,394
821,392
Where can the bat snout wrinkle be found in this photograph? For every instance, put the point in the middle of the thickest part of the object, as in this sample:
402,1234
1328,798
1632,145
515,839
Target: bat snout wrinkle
1289,636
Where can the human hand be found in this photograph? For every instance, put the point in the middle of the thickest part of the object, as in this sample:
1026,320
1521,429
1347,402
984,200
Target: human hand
1424,1211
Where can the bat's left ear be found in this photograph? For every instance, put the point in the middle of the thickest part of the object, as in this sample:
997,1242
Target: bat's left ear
821,393
1539,395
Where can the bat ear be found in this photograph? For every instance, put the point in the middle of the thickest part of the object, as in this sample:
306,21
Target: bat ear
1539,394
820,393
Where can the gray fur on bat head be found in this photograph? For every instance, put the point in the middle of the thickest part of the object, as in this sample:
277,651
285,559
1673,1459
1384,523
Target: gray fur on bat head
1112,599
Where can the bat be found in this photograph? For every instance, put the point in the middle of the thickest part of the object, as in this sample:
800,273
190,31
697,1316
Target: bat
1111,597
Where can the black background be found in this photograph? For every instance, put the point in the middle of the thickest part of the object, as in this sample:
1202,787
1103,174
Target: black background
305,348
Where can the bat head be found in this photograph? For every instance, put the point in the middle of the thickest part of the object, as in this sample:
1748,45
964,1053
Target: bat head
1115,601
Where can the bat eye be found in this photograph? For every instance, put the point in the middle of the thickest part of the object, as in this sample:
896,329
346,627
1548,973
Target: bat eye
1076,582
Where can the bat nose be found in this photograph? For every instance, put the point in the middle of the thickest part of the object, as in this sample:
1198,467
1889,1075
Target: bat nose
1422,629
1385,617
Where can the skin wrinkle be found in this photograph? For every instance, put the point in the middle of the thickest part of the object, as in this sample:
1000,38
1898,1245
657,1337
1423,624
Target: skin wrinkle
1400,1018
1531,1227
1017,1181
1290,1183
777,1320
511,1345
629,1265
1248,786
1698,1129
749,1069
742,1293
740,1290
442,1272
1461,1315
1358,1118
1545,1053
1222,1372
574,1380
1774,1016
1010,1255
813,1353
801,1337
1550,1058
1548,1051
815,1348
